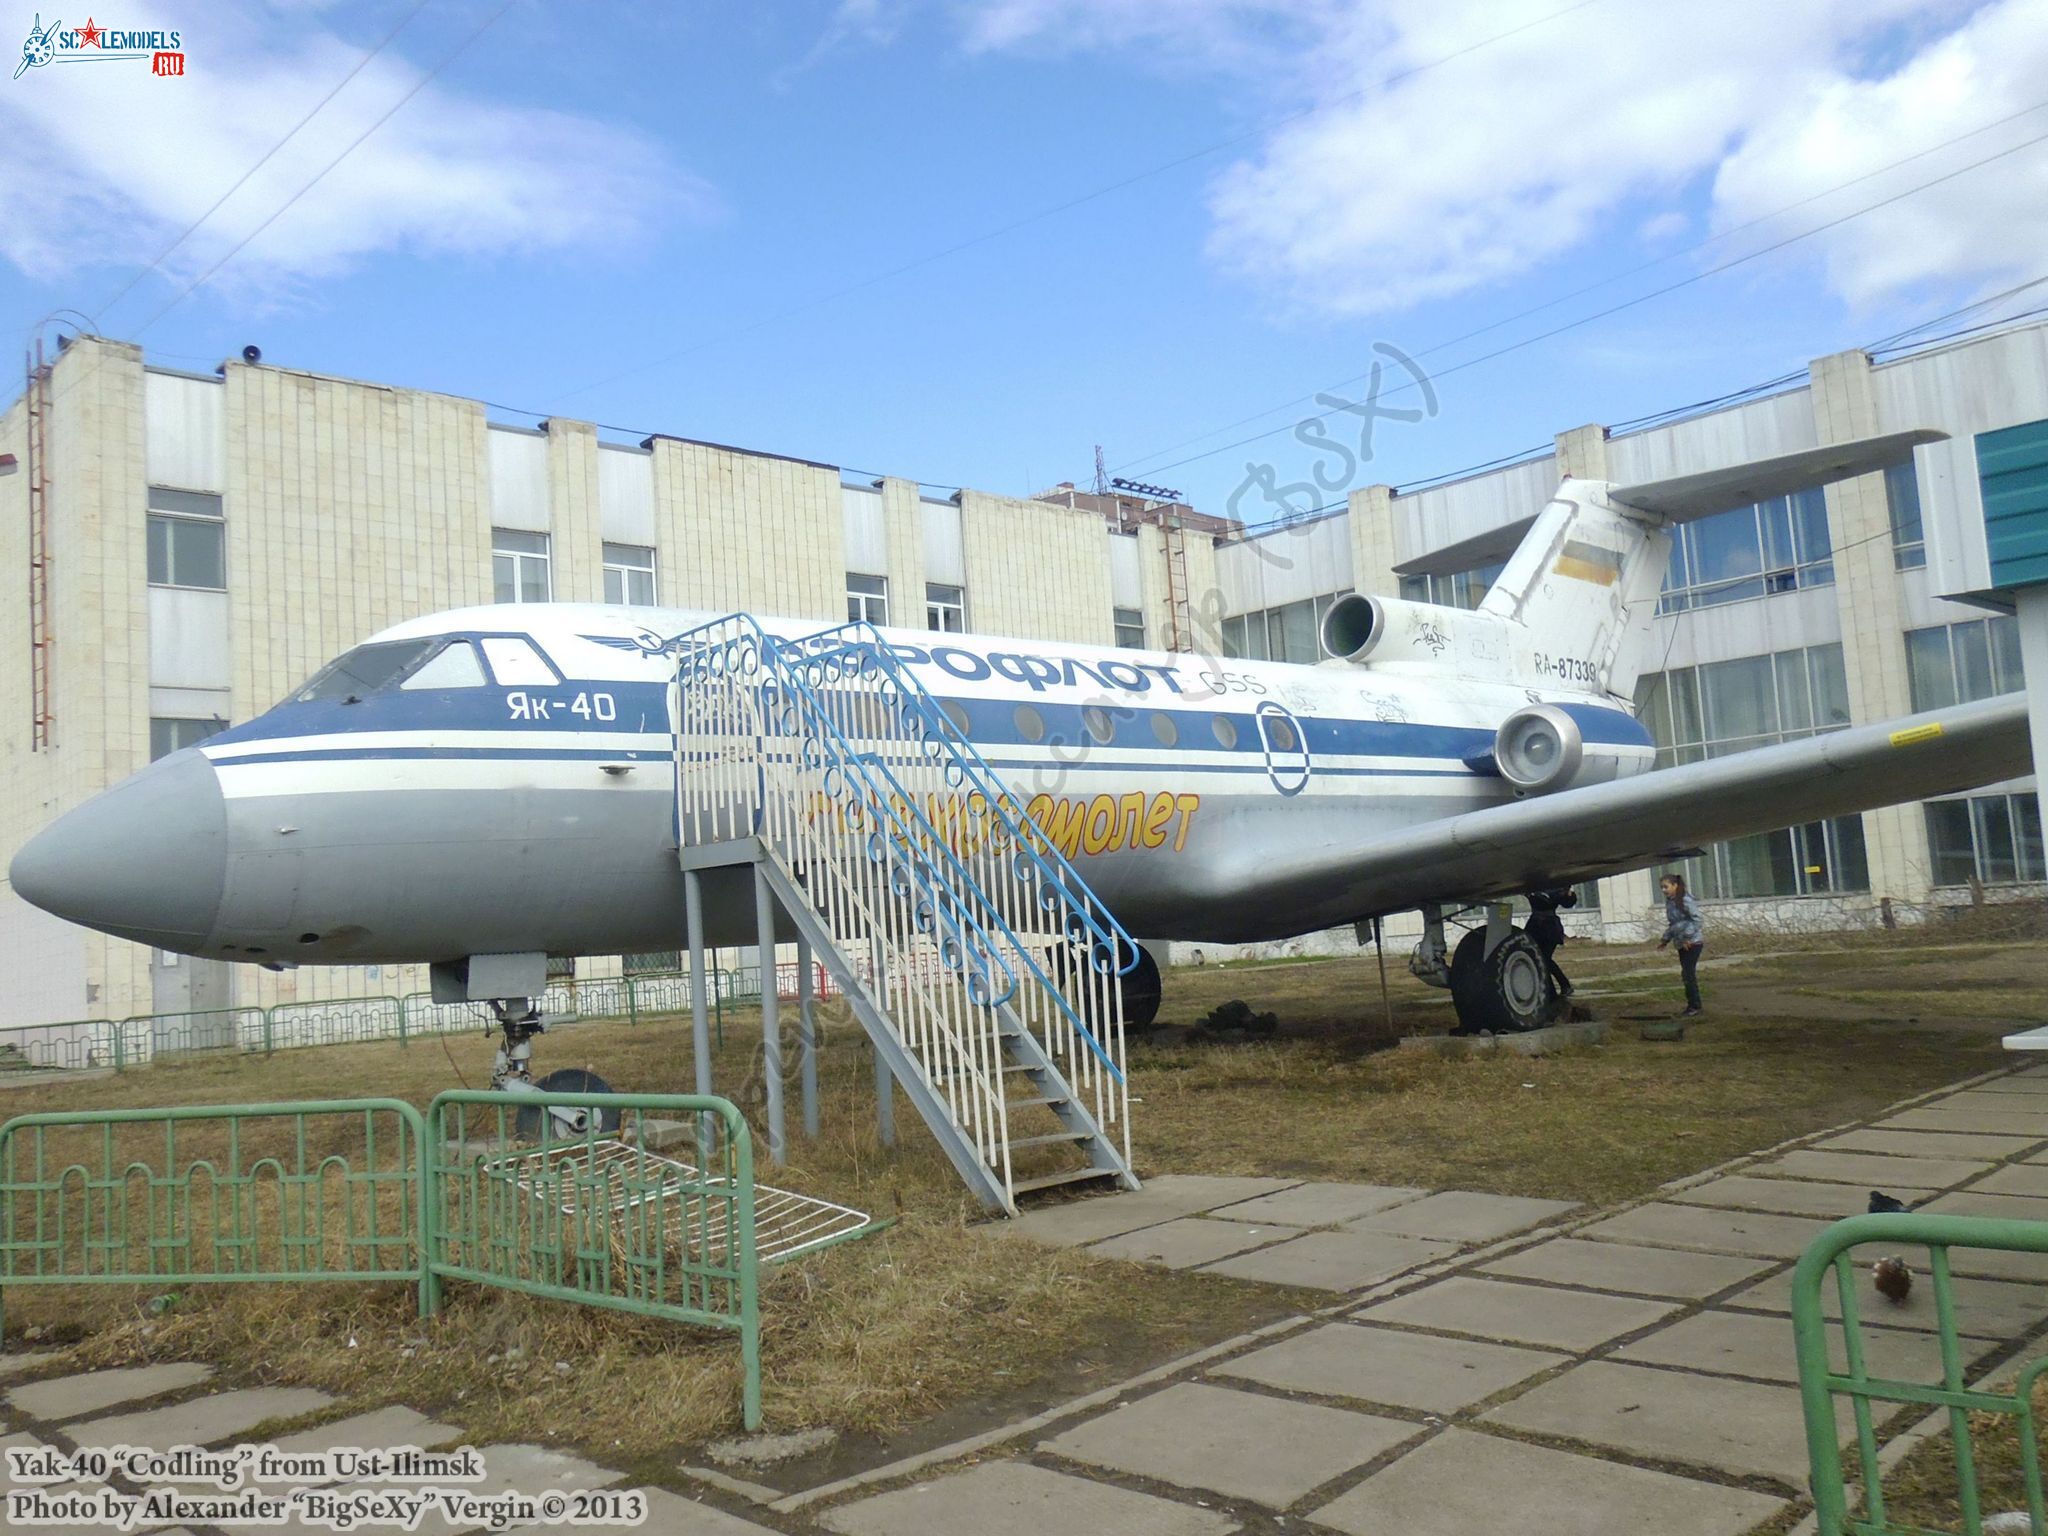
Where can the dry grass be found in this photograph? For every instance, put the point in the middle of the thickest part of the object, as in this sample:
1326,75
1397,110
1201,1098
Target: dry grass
938,1313
1920,1492
1329,1099
945,1322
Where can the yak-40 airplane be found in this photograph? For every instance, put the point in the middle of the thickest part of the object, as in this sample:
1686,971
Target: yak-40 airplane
463,785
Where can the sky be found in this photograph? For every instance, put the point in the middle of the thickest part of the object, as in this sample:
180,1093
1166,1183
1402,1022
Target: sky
966,243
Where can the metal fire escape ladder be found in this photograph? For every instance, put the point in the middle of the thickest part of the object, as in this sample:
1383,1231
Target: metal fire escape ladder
1179,615
982,968
41,637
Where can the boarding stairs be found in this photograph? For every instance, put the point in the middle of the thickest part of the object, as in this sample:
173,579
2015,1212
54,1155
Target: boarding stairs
983,969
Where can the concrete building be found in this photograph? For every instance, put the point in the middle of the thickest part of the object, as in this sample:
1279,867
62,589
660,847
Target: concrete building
206,542
1804,614
212,540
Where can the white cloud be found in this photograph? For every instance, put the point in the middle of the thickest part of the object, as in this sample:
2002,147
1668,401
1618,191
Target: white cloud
1987,227
102,164
1611,123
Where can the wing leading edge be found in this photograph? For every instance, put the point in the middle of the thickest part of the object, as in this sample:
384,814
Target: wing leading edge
1604,829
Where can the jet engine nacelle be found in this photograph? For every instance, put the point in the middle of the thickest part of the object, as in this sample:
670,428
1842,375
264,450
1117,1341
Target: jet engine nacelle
1382,630
1540,748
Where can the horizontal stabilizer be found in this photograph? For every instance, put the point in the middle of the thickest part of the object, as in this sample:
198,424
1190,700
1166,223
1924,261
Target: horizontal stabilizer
1687,497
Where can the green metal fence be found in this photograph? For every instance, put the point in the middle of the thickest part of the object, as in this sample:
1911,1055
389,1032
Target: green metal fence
82,1044
69,1047
1873,1397
591,1215
203,1193
486,1187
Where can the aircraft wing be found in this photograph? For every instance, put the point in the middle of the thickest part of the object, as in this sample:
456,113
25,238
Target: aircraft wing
1604,829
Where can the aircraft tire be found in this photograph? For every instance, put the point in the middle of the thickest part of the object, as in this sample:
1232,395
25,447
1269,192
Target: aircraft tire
1140,985
1141,988
567,1080
1502,993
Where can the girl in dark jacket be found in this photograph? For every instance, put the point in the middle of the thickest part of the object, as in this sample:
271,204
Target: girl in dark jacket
1683,927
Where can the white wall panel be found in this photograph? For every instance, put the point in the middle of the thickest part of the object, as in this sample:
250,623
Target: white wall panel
519,479
867,536
191,703
1126,587
1756,429
183,442
625,494
1728,630
188,639
1447,514
1284,566
945,551
2001,381
43,959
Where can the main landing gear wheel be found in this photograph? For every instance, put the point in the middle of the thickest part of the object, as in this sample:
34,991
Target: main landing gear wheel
568,1120
1503,993
1139,985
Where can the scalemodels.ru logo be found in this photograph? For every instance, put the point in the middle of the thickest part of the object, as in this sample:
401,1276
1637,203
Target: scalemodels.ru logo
95,44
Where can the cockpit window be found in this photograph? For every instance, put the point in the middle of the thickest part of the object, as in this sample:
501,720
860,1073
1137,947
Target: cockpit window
516,664
366,670
455,665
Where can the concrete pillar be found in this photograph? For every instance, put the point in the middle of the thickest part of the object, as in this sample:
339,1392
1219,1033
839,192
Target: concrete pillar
903,527
1871,604
1372,542
1582,453
575,533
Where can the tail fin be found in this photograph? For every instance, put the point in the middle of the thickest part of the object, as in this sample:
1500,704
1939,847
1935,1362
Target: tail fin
1583,586
1584,581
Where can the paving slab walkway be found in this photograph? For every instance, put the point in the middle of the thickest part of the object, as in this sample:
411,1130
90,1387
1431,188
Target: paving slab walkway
1460,1360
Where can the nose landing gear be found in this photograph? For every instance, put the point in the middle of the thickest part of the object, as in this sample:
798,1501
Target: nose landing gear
512,1072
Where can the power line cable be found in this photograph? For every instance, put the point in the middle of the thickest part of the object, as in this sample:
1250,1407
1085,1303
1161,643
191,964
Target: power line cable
1626,304
1142,460
158,260
1068,205
418,86
1260,530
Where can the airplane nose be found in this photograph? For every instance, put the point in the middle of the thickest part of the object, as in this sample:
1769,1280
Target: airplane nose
145,860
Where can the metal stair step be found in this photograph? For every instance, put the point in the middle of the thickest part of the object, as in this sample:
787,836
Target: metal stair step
1045,1103
958,1077
1052,1180
1054,1139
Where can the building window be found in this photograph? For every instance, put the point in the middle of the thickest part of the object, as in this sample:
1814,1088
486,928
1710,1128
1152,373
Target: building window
1909,537
519,565
1724,707
1995,839
1956,663
1452,589
867,599
168,734
1780,545
945,609
1130,628
1291,632
187,540
629,575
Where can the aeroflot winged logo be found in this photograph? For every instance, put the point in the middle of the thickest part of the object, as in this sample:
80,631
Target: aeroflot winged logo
95,44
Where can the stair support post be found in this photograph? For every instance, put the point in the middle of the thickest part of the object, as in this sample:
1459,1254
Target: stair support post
771,1020
807,1036
700,1024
